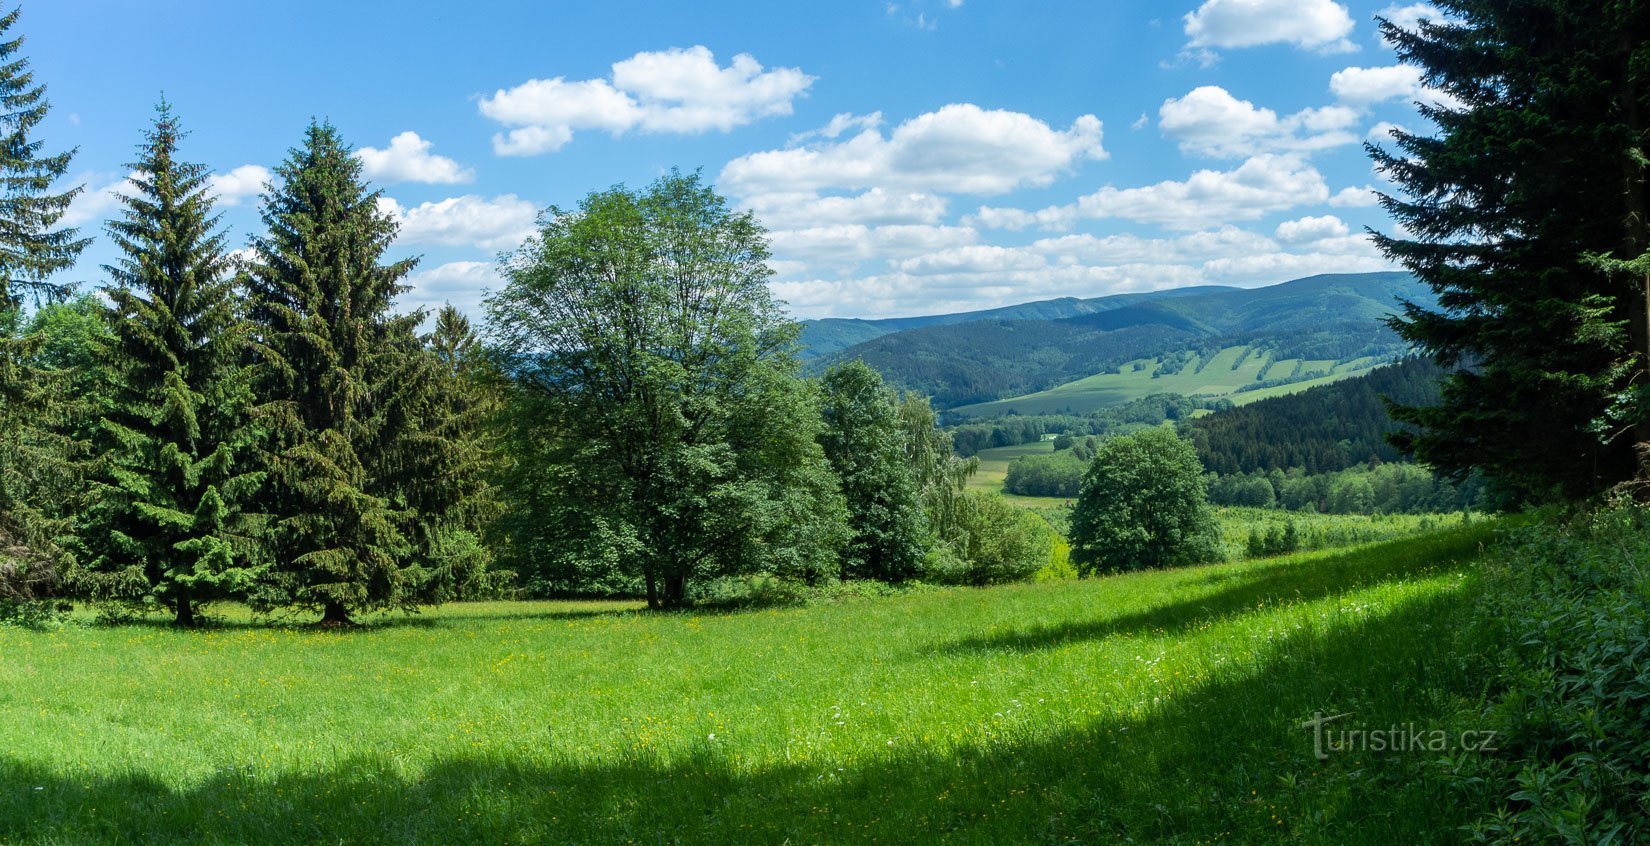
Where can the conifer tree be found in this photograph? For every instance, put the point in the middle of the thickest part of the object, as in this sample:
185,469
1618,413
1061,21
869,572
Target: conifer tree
338,382
33,247
1527,210
166,523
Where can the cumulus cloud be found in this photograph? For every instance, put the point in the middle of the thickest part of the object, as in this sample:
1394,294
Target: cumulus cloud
960,148
1312,229
1263,185
1409,17
844,246
1355,198
234,187
462,283
500,223
408,159
676,90
1209,121
876,206
1364,86
99,200
1318,25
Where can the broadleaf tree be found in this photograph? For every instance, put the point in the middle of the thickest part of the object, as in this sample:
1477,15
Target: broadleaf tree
865,441
1143,505
673,437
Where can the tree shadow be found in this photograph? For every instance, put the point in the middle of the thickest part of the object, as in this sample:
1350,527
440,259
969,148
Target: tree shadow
1224,760
1235,592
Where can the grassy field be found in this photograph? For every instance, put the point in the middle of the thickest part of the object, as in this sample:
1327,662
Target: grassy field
1223,375
994,471
1158,707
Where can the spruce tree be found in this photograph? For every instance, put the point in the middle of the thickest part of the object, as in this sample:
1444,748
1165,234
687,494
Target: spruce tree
33,247
1528,211
166,523
338,382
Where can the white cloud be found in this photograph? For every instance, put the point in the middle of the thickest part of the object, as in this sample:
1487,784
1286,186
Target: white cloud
876,206
1209,121
1312,229
847,245
1318,25
500,223
1408,17
676,90
960,148
408,159
237,185
1355,198
840,124
1260,186
1364,86
462,283
99,200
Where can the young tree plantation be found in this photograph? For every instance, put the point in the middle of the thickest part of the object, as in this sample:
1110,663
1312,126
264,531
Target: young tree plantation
874,488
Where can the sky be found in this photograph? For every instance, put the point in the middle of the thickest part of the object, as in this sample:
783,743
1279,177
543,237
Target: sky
908,157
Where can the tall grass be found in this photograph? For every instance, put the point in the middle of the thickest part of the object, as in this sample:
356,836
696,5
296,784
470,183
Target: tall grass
1160,707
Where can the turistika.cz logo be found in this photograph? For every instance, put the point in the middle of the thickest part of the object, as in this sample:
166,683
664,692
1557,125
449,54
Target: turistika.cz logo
1397,738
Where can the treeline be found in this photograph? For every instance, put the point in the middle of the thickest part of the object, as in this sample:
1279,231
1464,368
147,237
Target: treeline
1380,489
264,427
1012,430
265,430
1320,430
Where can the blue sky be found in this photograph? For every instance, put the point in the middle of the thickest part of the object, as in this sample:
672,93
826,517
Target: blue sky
908,157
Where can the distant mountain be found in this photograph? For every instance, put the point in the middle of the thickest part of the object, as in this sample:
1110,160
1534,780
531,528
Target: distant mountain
828,335
985,356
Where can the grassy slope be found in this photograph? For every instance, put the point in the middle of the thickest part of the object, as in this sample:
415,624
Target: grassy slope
1134,380
1162,707
994,470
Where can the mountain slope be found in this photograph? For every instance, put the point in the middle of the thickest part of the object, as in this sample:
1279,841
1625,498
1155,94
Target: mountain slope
1333,317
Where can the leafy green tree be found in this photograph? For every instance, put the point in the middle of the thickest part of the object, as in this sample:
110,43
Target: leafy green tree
1143,505
33,247
173,464
339,381
865,441
673,439
939,474
1530,217
1002,543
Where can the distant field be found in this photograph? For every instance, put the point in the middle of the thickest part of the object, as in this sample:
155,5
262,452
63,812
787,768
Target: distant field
1147,708
1221,376
994,470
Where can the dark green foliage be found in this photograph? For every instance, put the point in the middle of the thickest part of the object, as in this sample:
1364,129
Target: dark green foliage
971,437
940,475
1058,474
1396,488
865,441
1278,540
1528,208
996,543
340,383
1323,317
173,456
1323,429
669,439
1570,602
32,247
1143,505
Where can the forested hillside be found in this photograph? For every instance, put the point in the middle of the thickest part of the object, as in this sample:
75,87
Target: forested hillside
1324,317
1320,430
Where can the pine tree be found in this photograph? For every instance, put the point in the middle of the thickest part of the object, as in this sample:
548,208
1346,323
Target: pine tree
32,248
338,383
166,524
459,459
1529,214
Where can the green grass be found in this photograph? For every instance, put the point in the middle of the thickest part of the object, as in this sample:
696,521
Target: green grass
1158,707
993,472
1216,378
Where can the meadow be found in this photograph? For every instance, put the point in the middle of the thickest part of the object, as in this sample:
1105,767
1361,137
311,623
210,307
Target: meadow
1160,707
1224,375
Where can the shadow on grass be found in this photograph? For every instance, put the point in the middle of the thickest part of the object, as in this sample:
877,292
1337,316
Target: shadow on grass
439,619
1224,761
1283,582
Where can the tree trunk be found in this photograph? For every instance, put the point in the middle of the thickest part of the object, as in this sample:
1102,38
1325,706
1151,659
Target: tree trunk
186,612
335,615
675,590
652,591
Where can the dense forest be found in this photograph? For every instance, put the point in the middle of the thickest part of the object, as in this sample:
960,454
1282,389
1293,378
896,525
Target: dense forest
1319,430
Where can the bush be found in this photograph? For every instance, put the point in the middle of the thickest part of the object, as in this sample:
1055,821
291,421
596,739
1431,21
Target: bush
1143,505
1572,603
1000,543
1059,474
